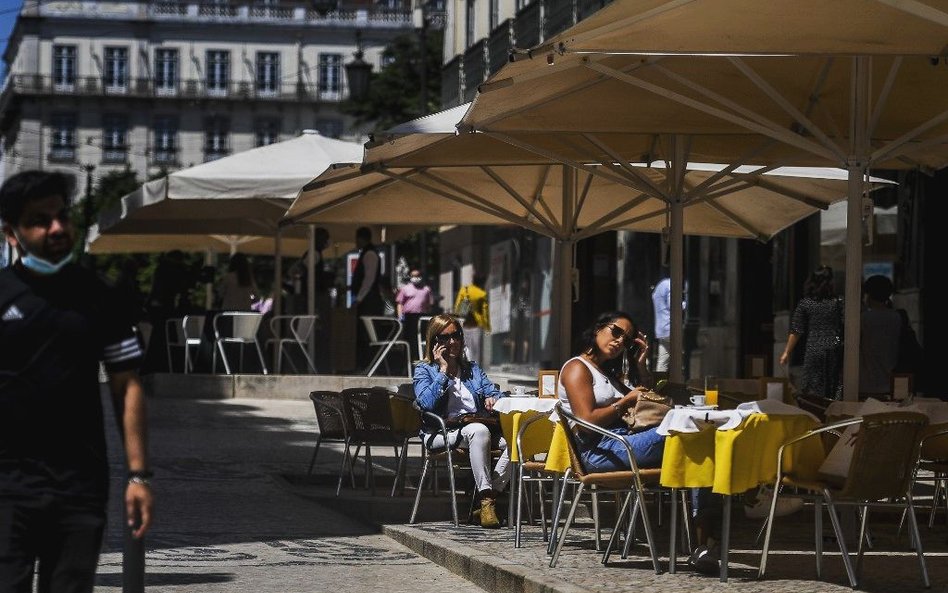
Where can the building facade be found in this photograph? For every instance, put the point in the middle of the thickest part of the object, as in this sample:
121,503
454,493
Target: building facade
165,84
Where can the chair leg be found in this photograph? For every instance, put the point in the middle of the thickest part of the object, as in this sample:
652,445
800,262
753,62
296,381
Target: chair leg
309,361
263,363
818,529
630,533
569,521
541,501
400,467
519,515
595,513
313,458
220,345
514,486
454,496
615,531
838,530
559,498
342,469
913,524
650,537
770,525
421,485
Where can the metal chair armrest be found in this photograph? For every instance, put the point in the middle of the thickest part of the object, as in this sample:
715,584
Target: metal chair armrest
601,431
830,428
524,426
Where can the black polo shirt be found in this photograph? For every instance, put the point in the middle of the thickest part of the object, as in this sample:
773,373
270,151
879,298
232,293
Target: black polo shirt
54,331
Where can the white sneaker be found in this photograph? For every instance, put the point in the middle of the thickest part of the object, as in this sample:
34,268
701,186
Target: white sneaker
761,508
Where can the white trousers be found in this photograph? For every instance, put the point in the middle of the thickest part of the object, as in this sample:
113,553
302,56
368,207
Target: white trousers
476,439
664,355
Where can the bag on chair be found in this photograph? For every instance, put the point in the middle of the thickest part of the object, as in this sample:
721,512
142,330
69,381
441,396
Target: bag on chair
649,410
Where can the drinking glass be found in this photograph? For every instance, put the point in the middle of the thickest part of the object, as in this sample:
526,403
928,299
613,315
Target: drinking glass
711,390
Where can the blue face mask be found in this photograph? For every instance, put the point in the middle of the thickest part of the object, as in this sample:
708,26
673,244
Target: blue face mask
39,265
42,266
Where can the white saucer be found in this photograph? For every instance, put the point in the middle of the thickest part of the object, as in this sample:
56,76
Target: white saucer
521,395
703,408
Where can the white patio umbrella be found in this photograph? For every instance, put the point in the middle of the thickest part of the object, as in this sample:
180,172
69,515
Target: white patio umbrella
775,83
441,177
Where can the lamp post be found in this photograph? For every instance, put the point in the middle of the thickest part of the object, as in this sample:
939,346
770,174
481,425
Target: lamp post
358,72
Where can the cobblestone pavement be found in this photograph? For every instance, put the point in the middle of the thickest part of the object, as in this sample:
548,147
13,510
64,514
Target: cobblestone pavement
225,522
235,515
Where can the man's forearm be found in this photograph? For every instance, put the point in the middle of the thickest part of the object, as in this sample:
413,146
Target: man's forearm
130,407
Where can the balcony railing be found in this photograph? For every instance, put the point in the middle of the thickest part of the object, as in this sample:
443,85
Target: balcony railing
34,84
558,15
451,82
498,46
475,68
527,25
62,154
323,14
163,156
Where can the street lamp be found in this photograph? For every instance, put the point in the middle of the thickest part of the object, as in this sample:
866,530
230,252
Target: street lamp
358,72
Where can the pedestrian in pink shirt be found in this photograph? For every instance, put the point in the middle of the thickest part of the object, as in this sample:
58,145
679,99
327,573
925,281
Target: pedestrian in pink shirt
412,301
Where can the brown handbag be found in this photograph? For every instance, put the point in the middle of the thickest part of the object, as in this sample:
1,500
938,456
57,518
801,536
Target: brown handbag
649,410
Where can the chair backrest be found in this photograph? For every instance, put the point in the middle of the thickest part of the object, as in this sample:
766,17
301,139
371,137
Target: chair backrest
302,327
193,326
373,322
572,443
884,456
330,414
174,331
369,414
243,325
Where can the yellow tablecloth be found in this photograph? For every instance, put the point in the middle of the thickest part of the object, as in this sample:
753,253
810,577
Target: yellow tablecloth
734,461
557,458
535,440
405,417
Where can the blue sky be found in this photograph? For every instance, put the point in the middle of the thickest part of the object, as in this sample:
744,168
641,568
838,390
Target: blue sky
9,9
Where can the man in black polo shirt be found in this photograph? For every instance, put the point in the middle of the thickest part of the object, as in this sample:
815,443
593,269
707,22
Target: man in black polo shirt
57,322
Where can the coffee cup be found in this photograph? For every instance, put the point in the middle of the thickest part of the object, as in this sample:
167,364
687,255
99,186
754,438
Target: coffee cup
697,400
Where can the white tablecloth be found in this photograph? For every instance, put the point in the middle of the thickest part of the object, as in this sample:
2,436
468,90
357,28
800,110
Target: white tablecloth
506,405
688,419
936,410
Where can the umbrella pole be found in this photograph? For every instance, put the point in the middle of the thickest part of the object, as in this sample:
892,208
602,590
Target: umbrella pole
209,260
311,286
857,165
676,253
277,288
565,270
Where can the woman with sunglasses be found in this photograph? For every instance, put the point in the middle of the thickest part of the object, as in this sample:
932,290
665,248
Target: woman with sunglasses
593,387
449,385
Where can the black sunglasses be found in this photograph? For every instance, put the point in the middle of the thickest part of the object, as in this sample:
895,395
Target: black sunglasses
457,336
628,340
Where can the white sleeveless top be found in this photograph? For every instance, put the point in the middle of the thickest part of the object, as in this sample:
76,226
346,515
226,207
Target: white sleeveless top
603,390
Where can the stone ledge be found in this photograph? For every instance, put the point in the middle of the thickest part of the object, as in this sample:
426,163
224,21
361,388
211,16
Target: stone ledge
294,387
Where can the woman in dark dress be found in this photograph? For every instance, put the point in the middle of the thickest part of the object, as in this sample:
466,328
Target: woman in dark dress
819,317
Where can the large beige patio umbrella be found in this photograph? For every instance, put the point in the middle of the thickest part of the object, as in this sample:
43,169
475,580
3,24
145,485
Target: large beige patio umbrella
441,177
627,83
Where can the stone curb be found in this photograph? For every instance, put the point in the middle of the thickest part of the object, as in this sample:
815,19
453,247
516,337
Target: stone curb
486,570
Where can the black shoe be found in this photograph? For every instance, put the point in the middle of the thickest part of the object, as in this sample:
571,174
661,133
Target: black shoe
706,559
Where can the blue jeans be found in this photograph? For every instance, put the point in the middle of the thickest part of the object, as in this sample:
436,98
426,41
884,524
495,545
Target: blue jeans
609,455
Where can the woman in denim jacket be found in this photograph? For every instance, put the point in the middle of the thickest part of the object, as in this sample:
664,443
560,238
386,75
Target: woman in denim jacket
449,385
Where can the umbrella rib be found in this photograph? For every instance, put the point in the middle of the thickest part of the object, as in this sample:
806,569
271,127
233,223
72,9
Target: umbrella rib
578,63
650,185
707,184
471,200
907,137
635,180
739,221
582,200
599,172
781,134
920,10
789,193
547,222
782,102
883,96
346,198
906,148
628,205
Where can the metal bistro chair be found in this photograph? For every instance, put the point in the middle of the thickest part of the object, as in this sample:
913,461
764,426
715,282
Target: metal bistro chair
333,428
300,328
384,346
185,333
236,327
933,460
881,474
369,416
631,482
531,471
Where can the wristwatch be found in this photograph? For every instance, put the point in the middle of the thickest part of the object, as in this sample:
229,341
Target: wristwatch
142,477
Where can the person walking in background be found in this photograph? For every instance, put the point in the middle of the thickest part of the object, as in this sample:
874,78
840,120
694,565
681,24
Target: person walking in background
238,287
819,317
58,321
661,305
880,326
412,301
365,291
471,305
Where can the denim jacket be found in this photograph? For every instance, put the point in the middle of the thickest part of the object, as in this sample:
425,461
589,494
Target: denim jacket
431,388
